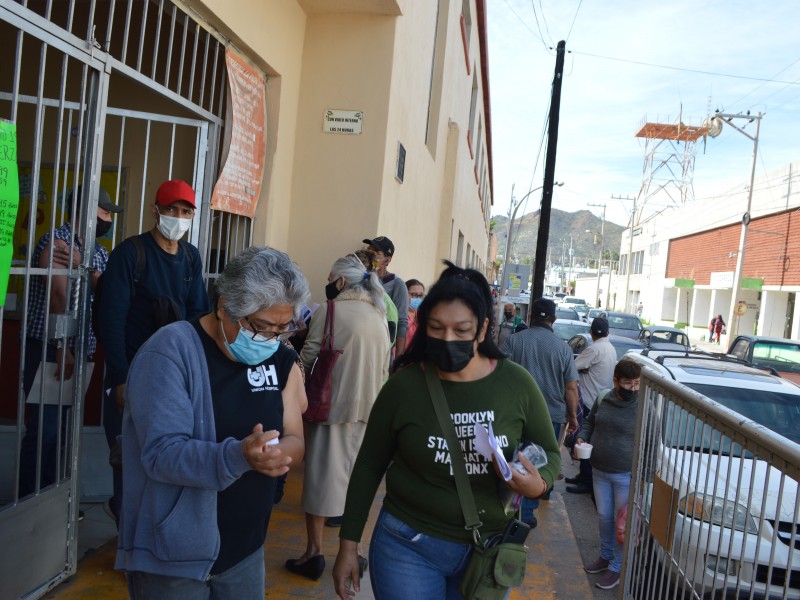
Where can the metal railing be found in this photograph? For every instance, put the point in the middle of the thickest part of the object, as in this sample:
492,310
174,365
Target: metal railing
713,509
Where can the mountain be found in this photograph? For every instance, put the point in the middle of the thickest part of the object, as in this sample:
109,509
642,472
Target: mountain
562,226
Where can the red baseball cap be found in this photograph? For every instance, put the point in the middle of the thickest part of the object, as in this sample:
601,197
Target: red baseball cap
174,190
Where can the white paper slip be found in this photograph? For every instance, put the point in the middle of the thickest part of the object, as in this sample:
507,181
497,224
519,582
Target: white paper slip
486,445
52,385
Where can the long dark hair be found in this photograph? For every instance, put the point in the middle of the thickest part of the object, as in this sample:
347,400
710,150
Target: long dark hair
455,283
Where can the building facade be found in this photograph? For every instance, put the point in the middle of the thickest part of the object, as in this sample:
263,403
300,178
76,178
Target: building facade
684,260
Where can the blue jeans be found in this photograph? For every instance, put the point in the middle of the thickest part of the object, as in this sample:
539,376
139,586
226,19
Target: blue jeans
244,581
528,505
610,494
405,563
28,448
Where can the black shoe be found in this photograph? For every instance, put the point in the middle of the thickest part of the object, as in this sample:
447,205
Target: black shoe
81,515
581,488
573,480
363,565
333,521
311,568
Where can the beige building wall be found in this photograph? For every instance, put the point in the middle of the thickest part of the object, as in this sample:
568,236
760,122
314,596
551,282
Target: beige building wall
324,192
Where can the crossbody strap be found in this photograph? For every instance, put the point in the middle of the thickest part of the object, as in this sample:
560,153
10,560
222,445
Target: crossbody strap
327,332
456,457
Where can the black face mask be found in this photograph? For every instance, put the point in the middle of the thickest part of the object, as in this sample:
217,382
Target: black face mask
508,315
449,356
102,227
331,291
627,395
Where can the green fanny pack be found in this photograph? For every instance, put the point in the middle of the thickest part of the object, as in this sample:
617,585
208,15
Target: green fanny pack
491,571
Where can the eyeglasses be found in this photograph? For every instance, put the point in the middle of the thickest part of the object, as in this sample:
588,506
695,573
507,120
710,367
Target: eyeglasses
416,295
268,336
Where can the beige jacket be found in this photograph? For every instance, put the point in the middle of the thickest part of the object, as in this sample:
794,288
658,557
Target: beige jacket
360,331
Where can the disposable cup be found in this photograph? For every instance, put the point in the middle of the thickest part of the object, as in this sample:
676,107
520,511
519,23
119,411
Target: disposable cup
583,450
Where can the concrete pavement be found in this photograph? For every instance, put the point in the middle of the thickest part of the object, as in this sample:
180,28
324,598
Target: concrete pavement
554,568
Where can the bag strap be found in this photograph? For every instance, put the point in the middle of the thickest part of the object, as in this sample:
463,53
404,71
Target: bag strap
327,332
456,457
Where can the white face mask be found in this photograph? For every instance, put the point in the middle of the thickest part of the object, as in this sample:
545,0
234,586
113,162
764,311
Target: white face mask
173,228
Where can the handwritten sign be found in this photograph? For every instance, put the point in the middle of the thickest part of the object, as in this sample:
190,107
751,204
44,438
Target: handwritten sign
239,184
9,201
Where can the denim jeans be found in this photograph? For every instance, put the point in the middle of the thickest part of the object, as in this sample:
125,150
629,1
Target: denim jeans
28,448
112,424
244,581
610,494
528,505
405,563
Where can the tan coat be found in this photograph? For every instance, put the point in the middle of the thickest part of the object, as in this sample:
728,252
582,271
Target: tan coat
360,331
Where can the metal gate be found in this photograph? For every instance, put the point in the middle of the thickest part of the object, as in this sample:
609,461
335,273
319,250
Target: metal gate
78,105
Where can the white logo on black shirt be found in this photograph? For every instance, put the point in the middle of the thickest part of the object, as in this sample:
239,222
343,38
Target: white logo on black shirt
262,375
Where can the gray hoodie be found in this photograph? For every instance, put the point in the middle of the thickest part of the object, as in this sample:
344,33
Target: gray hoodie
611,429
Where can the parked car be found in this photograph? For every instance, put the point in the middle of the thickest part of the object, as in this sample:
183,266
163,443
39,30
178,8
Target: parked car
733,511
581,341
624,324
572,301
569,314
769,353
593,312
565,329
658,337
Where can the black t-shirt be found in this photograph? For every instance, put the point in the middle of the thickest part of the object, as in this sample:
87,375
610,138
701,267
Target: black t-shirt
243,396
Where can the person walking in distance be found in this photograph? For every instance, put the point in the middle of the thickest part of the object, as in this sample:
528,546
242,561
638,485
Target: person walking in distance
394,286
595,375
545,356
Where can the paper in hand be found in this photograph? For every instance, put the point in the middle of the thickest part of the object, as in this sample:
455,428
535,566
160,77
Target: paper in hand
486,445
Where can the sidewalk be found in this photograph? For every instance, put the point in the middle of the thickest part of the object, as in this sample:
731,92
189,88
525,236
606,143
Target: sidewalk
554,562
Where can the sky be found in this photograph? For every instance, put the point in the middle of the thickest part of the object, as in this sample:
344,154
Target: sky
627,62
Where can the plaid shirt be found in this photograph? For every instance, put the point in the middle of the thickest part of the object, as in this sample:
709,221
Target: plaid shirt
37,298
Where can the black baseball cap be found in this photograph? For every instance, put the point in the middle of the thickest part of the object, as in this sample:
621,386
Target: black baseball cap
543,308
600,326
382,243
103,200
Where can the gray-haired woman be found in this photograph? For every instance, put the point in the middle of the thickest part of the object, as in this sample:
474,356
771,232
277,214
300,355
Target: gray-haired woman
213,416
360,331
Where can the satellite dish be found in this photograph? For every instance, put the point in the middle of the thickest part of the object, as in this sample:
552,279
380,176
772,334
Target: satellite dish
714,125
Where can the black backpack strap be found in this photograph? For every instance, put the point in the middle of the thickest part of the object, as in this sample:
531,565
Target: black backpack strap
187,249
141,261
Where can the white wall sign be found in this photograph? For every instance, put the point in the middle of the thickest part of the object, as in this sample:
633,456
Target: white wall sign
721,279
343,121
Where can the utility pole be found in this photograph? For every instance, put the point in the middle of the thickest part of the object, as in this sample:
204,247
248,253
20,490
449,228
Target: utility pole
630,251
537,288
602,244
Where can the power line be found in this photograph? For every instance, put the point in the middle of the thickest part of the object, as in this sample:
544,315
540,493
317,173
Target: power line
758,87
573,19
521,20
715,73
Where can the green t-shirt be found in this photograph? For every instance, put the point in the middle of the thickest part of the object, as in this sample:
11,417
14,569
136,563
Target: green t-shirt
403,440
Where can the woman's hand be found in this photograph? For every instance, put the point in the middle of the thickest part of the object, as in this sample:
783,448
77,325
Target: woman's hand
346,581
263,457
530,484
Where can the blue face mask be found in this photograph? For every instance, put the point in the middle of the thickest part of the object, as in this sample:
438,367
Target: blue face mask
414,303
247,350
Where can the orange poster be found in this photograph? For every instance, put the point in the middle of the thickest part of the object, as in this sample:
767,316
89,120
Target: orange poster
239,183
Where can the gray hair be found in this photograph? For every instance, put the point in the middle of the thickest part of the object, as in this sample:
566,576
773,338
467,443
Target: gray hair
259,278
358,277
